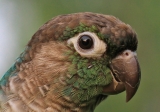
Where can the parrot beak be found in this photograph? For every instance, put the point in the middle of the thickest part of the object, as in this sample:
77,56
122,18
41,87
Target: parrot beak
126,74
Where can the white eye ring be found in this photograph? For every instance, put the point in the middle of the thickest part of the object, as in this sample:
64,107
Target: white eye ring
99,47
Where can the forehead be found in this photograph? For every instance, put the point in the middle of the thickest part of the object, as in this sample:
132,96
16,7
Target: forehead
117,33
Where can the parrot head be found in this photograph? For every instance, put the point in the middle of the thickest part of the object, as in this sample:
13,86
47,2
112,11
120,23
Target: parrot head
76,60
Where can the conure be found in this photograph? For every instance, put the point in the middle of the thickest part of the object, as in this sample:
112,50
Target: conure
71,64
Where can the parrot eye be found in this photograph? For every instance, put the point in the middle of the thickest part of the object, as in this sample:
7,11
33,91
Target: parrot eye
85,42
88,44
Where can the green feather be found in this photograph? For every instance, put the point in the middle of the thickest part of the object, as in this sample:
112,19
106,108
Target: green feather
68,32
12,71
88,75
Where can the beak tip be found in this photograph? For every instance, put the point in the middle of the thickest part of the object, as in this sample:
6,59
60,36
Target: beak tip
128,98
130,92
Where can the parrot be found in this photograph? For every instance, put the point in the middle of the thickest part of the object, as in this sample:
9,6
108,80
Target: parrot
71,64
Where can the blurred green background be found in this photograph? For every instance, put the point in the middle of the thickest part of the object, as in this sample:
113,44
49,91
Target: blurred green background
19,20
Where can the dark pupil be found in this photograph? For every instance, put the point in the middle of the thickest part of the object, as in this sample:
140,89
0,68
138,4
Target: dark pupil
85,42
